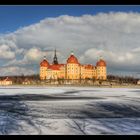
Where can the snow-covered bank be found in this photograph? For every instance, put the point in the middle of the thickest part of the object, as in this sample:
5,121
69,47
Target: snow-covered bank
69,110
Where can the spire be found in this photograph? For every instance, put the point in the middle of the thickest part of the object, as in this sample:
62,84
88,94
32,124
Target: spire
55,52
55,58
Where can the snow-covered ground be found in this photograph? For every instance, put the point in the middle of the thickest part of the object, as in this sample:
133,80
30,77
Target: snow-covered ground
69,110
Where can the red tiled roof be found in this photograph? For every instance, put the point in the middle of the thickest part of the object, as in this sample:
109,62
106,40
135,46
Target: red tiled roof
44,63
89,66
55,66
72,59
101,62
7,79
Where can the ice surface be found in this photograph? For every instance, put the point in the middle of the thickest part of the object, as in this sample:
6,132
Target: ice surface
69,110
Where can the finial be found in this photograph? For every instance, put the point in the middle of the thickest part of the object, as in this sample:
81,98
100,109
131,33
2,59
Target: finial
97,58
72,53
101,57
44,57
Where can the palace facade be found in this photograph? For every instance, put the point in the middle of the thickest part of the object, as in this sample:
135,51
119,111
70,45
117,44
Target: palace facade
72,69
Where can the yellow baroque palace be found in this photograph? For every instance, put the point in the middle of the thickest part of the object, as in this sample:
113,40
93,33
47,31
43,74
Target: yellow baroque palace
72,69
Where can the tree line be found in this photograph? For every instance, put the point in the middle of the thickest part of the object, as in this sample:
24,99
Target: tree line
123,79
21,78
35,78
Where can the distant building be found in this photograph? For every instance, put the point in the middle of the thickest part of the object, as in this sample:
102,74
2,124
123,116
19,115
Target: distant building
138,82
26,82
72,69
6,81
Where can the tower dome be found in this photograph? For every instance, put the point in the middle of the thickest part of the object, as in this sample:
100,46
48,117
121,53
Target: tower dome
44,63
72,59
101,63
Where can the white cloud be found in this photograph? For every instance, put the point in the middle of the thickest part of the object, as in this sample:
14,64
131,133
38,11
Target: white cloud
6,52
115,36
15,70
112,57
34,54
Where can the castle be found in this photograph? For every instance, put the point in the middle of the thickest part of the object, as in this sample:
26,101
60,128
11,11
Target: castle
72,69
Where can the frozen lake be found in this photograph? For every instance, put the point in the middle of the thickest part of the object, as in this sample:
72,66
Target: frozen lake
69,110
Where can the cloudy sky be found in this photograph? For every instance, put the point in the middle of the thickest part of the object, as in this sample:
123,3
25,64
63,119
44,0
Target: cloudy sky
27,33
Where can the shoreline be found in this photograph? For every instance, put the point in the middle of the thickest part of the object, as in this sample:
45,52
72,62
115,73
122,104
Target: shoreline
53,85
